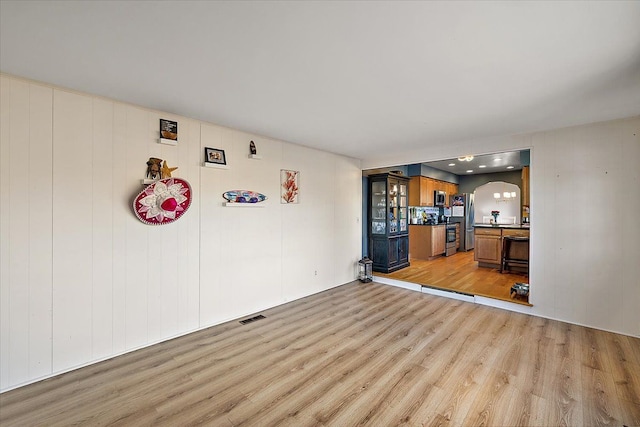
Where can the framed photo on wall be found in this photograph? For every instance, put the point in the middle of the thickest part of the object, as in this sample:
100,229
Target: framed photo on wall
214,155
168,129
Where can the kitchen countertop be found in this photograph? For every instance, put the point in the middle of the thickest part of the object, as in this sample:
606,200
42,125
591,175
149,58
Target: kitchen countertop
512,226
431,225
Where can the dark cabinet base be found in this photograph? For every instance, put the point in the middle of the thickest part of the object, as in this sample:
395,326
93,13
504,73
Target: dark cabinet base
391,269
389,254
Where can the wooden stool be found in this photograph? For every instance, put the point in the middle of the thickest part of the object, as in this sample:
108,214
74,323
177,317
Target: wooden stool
515,252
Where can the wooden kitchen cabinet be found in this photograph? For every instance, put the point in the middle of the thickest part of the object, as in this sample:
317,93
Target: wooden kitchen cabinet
426,241
449,188
457,236
438,239
523,232
421,190
488,246
418,192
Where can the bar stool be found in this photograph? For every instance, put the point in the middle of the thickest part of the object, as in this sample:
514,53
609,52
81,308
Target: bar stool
515,252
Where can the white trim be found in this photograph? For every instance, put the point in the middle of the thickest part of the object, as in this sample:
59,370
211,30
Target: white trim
505,305
215,165
244,205
397,283
168,141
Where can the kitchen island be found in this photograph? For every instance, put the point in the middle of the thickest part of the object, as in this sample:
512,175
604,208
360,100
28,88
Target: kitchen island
489,242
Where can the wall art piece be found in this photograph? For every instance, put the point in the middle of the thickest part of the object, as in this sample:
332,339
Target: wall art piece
244,196
252,148
153,168
289,190
168,129
163,202
166,170
214,155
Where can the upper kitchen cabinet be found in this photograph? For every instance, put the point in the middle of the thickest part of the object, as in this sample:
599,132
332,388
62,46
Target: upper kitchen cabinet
421,190
388,222
450,189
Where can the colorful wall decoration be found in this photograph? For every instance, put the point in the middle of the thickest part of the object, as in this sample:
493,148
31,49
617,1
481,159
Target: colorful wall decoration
163,202
289,190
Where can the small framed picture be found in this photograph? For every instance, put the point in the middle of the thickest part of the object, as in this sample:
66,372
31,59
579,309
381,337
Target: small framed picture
168,129
214,155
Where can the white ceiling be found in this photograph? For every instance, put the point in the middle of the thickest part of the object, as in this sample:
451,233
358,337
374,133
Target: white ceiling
346,77
487,163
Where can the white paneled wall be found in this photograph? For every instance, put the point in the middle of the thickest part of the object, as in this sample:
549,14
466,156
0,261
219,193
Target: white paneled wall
585,229
82,279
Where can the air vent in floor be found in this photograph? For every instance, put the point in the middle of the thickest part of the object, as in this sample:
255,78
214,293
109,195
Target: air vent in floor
252,319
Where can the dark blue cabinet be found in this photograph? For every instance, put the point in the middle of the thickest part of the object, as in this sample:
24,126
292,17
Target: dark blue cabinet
388,222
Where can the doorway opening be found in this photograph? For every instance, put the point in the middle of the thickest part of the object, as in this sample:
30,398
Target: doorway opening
470,270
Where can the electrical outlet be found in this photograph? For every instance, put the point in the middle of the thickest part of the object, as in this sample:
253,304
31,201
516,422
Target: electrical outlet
315,273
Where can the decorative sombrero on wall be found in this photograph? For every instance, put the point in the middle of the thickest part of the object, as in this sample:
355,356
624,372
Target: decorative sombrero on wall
163,202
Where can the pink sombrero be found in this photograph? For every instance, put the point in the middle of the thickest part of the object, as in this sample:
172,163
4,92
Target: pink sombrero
163,202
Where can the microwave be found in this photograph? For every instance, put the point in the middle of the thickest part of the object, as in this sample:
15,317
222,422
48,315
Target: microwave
439,198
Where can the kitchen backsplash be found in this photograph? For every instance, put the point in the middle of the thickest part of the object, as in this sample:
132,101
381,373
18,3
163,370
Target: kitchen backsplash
415,213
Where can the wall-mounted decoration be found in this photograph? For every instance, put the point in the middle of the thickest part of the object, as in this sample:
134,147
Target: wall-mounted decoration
166,170
253,151
168,132
244,196
163,202
289,186
214,155
153,168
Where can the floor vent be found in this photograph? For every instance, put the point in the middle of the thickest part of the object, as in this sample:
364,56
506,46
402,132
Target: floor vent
252,319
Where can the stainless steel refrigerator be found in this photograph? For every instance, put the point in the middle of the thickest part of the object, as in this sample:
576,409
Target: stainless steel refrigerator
462,212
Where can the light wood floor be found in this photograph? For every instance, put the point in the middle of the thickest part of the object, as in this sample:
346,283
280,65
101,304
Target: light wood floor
359,354
461,273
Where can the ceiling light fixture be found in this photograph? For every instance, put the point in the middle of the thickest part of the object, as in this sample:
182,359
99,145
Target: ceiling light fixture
506,196
509,167
452,164
482,166
465,158
470,171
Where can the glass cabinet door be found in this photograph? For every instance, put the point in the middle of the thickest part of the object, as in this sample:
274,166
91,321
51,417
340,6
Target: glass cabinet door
378,207
393,206
402,207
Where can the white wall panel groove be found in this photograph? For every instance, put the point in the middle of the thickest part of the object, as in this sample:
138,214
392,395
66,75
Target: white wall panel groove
72,229
5,226
40,230
102,228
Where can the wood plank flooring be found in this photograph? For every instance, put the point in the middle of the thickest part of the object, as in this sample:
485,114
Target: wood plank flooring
358,354
461,273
